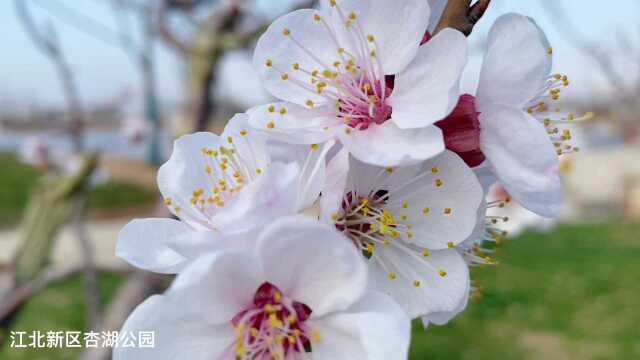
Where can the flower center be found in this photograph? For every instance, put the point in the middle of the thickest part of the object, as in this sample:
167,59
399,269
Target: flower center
461,131
227,172
271,327
354,79
372,226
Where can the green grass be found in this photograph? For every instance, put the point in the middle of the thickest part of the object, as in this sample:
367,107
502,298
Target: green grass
18,180
570,294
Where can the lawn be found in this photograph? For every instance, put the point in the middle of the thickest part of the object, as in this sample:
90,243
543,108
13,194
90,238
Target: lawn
18,180
573,293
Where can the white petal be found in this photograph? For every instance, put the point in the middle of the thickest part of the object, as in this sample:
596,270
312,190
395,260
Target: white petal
397,41
313,175
143,243
298,125
271,195
308,44
485,176
196,244
312,263
516,64
428,90
250,146
436,293
217,287
334,186
185,172
442,204
387,145
523,158
443,317
375,328
178,333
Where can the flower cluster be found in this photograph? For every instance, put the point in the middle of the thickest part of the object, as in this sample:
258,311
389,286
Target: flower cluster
320,225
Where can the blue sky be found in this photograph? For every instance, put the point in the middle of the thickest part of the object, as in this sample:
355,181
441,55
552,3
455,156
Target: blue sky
103,71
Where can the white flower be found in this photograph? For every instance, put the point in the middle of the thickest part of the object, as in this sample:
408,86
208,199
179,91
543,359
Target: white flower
219,185
520,130
407,221
301,295
331,67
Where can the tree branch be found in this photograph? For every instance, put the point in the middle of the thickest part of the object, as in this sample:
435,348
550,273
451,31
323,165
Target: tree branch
461,15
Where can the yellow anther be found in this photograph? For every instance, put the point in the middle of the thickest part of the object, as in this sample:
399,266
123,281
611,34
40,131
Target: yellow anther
258,171
442,273
426,210
371,248
286,32
316,336
285,76
332,2
347,131
403,217
405,204
314,146
268,63
353,15
416,283
425,252
549,50
435,170
243,132
342,51
168,201
438,182
370,38
310,103
208,169
283,110
296,66
337,64
316,17
388,169
271,108
271,125
392,276
447,211
230,139
177,209
450,245
334,216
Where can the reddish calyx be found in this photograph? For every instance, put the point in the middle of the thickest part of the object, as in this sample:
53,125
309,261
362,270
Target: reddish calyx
461,131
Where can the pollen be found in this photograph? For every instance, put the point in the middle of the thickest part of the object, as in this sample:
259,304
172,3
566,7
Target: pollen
310,103
435,170
442,273
286,32
388,170
271,108
268,63
285,76
296,66
425,252
370,38
438,182
314,146
426,210
392,276
447,211
316,17
549,50
450,245
243,132
405,204
283,110
271,125
416,283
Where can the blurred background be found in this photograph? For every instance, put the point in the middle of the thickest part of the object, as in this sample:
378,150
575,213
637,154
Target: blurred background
93,92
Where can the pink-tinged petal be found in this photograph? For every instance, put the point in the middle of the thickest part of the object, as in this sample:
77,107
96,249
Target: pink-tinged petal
271,195
312,263
388,145
397,41
441,204
295,124
516,64
375,328
435,293
523,158
428,90
307,44
178,333
144,243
